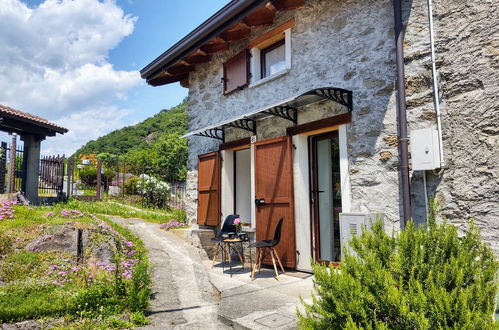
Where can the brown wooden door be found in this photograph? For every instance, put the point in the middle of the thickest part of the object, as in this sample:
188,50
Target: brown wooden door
209,189
274,186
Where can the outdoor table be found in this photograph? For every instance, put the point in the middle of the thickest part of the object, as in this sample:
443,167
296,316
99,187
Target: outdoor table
231,245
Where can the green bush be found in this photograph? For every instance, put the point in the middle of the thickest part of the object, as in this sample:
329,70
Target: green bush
421,278
88,176
132,186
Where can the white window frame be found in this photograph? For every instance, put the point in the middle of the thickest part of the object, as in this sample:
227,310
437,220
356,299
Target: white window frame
255,62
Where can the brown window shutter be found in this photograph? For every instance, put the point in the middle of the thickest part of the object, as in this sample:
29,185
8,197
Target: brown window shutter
236,72
209,208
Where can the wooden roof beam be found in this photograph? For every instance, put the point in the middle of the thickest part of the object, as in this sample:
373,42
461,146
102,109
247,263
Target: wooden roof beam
215,45
180,69
197,59
262,16
287,4
166,79
238,32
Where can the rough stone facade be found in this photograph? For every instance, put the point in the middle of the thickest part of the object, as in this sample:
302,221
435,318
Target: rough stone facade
350,44
467,57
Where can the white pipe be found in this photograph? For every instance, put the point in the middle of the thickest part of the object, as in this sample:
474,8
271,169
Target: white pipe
425,196
436,98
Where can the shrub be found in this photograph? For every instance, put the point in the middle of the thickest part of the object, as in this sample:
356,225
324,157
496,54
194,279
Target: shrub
132,186
155,192
419,279
88,176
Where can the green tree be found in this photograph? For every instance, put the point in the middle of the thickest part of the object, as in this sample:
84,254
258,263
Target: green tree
421,278
172,157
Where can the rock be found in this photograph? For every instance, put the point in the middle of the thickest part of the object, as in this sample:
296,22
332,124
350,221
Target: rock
30,324
63,239
385,156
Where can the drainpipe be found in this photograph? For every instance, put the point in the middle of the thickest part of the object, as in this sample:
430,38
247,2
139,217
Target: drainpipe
403,140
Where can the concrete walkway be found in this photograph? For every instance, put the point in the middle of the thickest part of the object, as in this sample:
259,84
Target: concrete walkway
190,294
265,303
183,297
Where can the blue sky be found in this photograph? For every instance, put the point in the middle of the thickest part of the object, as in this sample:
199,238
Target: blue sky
76,62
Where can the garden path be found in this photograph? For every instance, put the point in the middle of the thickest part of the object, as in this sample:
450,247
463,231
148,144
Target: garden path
183,297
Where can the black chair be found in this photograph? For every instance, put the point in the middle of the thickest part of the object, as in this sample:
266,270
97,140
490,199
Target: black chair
228,230
264,247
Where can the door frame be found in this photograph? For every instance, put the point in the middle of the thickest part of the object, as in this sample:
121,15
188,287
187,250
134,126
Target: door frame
314,193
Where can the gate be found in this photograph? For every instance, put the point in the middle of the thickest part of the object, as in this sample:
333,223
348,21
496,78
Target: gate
12,167
51,179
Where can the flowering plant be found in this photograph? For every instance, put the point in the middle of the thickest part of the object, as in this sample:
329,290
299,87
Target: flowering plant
238,224
172,224
7,210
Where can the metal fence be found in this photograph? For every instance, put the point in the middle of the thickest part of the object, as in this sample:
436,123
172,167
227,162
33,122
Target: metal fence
12,167
95,179
51,179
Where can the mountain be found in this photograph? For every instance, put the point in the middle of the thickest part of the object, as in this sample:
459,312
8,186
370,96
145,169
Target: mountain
141,135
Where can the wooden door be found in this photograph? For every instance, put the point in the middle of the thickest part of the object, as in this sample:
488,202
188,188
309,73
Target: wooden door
274,190
209,208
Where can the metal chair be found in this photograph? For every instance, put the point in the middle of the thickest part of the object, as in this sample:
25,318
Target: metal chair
264,247
228,230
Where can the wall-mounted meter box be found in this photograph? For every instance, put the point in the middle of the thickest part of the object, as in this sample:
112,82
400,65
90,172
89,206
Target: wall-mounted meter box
425,153
352,224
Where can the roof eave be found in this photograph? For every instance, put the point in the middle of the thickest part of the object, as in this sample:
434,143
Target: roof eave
216,24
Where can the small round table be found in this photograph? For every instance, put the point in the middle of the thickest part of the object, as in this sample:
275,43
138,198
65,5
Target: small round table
231,244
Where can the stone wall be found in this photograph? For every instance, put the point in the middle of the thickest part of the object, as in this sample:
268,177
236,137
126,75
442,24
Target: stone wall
329,48
350,44
467,57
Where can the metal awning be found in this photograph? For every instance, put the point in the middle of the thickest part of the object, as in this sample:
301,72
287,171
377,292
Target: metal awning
286,109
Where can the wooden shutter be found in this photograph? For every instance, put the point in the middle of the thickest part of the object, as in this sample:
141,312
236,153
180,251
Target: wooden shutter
236,72
209,189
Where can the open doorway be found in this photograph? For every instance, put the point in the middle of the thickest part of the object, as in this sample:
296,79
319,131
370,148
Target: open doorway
326,196
242,184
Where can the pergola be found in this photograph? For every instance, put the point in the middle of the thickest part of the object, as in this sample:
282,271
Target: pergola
32,130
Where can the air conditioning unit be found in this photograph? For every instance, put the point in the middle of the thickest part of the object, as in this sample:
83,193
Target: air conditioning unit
352,223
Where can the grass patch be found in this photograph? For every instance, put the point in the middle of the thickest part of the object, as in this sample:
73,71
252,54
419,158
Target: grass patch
112,208
50,284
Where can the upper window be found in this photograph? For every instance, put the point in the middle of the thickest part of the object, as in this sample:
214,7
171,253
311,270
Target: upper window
273,59
271,54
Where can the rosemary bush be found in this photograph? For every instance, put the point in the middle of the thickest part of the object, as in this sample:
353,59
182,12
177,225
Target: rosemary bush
422,278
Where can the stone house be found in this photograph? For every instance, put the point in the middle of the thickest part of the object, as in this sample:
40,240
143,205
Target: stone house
305,109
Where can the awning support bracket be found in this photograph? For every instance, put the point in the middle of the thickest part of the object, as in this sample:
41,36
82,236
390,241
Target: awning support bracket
285,112
338,95
214,133
244,123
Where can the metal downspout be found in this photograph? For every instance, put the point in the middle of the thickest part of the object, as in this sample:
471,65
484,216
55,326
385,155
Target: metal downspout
401,113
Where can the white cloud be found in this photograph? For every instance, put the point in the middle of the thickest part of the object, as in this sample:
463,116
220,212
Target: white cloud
54,63
84,126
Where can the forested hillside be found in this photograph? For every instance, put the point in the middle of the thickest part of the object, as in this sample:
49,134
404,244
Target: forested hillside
153,145
141,135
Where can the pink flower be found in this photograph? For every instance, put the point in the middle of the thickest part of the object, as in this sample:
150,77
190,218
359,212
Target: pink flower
237,221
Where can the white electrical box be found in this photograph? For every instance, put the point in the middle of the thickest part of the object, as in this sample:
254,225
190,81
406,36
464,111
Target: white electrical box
352,223
425,152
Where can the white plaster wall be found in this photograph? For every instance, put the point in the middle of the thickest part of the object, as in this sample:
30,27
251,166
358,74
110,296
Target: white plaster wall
302,201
